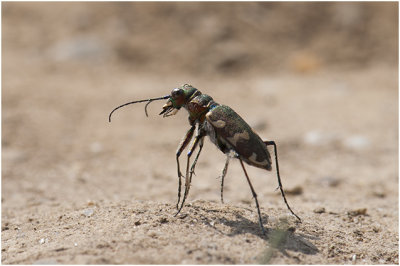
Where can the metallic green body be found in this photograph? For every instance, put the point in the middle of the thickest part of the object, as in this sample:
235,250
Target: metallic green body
226,129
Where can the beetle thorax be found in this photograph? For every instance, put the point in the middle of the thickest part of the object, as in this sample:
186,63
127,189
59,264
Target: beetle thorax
199,106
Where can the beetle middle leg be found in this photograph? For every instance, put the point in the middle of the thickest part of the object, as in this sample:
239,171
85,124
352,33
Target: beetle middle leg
254,196
201,143
223,177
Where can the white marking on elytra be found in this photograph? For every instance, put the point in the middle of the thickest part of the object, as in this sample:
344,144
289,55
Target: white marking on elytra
219,123
238,136
253,158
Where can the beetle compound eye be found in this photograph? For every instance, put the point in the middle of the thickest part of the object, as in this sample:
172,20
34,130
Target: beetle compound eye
176,93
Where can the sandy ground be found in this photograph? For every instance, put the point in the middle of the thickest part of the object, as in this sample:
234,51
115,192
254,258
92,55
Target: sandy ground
77,189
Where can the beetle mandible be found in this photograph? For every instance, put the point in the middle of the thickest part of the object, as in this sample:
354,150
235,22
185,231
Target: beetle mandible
225,128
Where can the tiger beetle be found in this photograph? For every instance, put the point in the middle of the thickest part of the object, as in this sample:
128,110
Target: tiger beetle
226,129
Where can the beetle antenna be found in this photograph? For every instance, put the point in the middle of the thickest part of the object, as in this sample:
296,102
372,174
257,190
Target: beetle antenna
145,108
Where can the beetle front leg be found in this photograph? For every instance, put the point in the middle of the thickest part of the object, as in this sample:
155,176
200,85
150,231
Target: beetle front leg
188,176
182,146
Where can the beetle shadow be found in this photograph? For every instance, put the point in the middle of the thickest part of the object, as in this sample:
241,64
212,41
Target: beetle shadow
282,238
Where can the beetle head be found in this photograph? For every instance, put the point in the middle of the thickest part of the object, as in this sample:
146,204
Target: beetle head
178,98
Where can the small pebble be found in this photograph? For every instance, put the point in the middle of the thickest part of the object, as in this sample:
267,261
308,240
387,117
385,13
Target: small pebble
297,190
319,210
356,142
357,212
43,240
183,216
376,229
90,203
88,212
379,194
163,220
330,181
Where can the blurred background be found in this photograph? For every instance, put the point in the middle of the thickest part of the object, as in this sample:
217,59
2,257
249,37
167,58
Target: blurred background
202,38
321,79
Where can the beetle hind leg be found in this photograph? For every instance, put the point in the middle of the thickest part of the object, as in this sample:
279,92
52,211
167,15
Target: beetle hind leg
279,178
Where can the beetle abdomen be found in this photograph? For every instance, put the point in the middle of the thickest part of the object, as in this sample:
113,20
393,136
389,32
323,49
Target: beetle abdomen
230,128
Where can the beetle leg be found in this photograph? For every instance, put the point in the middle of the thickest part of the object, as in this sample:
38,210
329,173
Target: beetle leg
255,198
201,143
223,177
279,178
185,141
196,140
